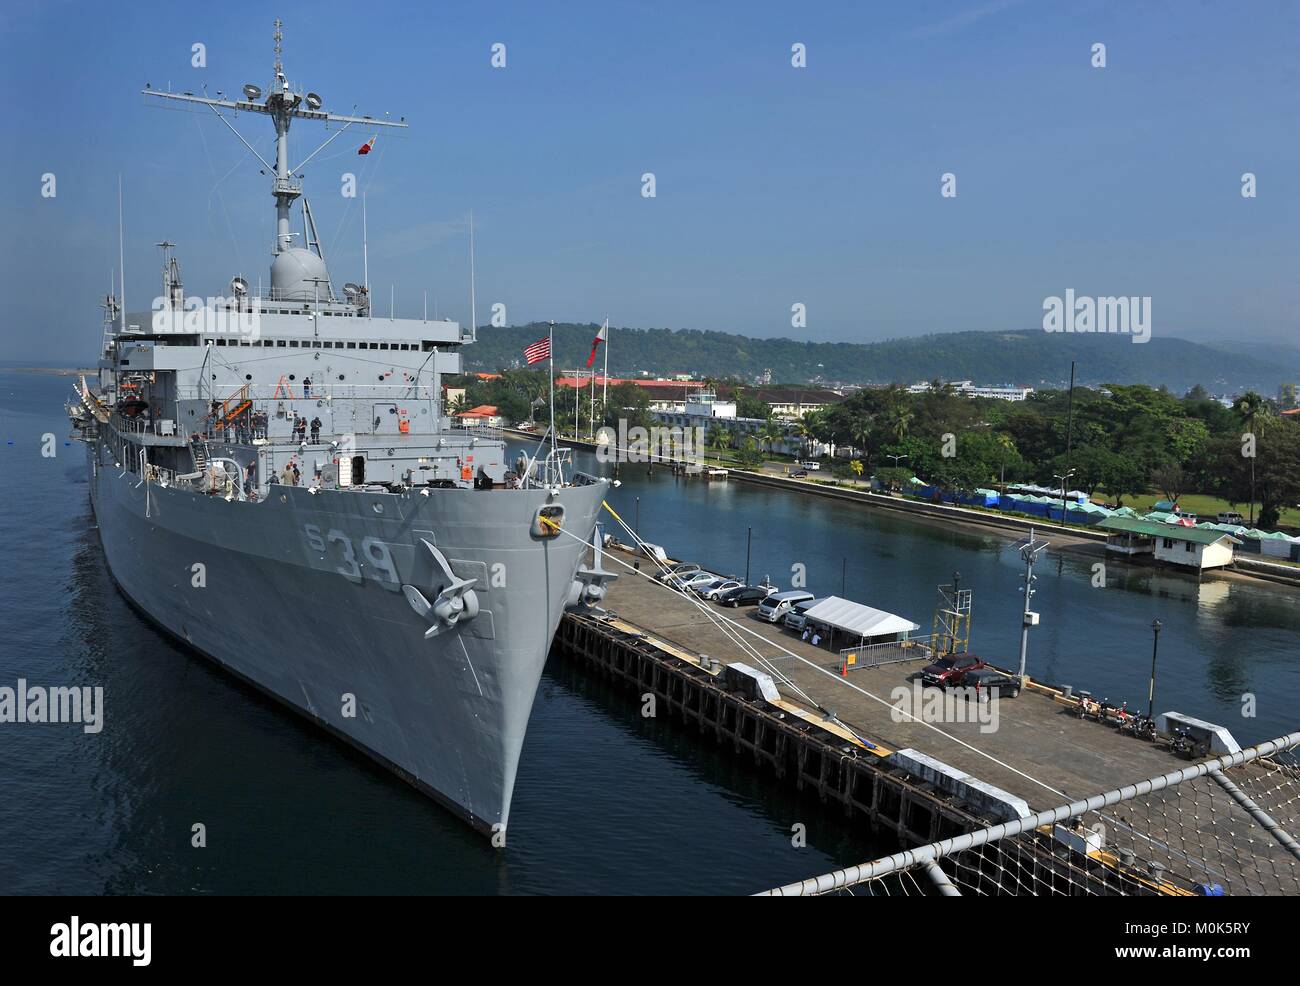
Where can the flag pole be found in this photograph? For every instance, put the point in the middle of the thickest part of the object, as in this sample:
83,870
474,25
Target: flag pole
604,390
550,347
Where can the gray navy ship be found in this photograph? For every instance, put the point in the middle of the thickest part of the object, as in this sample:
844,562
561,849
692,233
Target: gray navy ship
278,484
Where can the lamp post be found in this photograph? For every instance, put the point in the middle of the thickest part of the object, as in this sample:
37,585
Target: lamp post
1029,552
1068,474
1155,646
749,543
895,458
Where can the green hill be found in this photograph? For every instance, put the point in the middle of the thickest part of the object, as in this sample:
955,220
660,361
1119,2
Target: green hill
1030,358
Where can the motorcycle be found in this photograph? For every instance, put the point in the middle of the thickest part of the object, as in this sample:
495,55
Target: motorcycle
1088,707
1124,719
1182,743
1144,727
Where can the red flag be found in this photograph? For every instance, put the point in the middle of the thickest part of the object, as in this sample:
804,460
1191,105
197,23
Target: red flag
538,351
595,343
365,148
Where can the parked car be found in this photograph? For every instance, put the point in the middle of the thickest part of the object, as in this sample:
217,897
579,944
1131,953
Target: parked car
682,568
812,465
693,579
989,681
799,474
746,595
947,670
1230,517
775,606
717,587
797,618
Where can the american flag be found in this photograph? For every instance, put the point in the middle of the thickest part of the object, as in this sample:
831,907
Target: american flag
538,351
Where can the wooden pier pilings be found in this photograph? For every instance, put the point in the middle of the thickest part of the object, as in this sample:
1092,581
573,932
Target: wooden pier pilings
794,750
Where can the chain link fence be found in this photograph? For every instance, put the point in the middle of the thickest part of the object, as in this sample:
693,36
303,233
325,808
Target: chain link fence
1221,827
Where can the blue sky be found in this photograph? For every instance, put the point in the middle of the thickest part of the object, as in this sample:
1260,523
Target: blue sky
775,185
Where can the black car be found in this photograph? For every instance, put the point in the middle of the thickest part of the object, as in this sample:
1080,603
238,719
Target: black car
990,680
746,595
799,474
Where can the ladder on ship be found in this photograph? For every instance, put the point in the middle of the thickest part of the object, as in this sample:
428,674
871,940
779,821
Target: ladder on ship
199,449
231,408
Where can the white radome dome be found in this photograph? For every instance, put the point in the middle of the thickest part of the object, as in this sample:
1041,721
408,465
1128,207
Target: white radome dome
299,275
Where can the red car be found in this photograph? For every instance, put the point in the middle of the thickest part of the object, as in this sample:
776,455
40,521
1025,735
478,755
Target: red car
948,670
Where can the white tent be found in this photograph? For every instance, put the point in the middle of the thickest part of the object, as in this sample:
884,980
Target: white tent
859,620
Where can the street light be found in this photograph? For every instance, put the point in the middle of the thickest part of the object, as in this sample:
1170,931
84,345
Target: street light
1155,646
1068,474
1029,551
895,458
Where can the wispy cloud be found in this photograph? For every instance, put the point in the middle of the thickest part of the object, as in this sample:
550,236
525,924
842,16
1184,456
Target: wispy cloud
961,20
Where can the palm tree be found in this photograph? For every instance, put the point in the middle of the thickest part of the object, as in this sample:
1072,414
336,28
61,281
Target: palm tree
1254,412
1007,447
719,438
771,433
860,433
900,419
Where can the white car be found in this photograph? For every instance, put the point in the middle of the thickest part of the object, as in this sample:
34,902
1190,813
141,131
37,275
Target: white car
680,570
693,580
712,590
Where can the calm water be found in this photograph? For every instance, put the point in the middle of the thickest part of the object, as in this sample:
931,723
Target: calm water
606,801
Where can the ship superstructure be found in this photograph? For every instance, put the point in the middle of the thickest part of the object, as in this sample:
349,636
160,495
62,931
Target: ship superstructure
277,484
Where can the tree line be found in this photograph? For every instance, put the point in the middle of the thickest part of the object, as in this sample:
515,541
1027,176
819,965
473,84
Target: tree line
1122,440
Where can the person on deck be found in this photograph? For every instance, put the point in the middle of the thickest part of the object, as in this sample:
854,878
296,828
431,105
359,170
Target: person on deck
315,430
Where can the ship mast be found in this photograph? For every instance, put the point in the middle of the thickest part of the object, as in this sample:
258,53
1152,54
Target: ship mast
283,104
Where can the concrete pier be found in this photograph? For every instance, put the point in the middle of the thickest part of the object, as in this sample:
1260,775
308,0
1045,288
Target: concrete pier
794,711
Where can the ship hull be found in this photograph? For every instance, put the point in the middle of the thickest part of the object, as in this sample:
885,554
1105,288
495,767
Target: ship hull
301,596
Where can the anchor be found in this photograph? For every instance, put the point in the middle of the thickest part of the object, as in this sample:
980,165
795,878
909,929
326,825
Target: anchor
589,587
457,602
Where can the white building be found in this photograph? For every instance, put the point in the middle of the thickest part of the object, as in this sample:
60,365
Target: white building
968,389
1187,547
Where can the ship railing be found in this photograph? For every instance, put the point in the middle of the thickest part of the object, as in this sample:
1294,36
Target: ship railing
1222,827
293,390
487,433
146,425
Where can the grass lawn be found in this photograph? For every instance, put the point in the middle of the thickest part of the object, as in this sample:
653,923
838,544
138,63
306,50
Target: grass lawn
1204,506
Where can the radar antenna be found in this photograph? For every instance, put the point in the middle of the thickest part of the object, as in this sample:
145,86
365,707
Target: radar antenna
283,103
